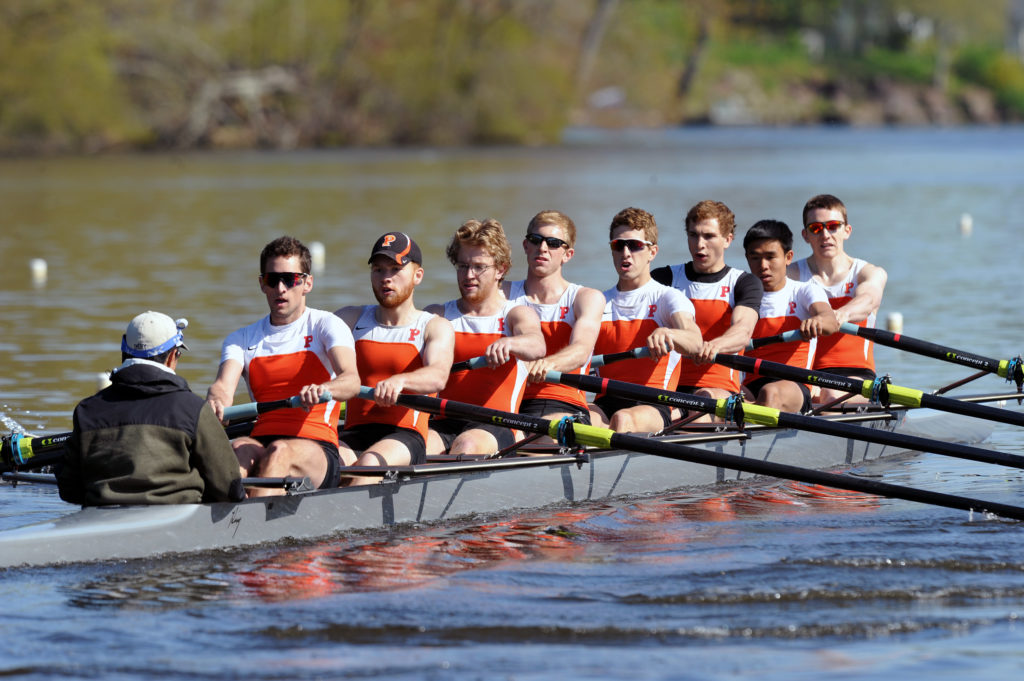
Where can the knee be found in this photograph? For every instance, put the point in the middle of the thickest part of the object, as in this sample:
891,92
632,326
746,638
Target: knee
622,422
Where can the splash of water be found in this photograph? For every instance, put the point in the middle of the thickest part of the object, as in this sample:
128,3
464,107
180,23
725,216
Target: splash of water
10,424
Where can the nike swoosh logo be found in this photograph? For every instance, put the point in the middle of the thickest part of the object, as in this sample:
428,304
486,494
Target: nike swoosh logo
360,328
253,347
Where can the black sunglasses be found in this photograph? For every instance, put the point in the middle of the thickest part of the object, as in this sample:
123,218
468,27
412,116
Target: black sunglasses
290,279
552,242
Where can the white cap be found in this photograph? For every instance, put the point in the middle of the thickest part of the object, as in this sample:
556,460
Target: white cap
151,334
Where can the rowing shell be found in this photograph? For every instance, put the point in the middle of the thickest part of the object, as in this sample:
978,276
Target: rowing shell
445,490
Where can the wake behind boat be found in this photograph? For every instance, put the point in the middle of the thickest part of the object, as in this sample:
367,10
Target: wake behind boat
449,489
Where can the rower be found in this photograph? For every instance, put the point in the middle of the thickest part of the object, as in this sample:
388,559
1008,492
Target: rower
726,299
570,317
147,438
641,312
399,349
787,305
854,289
486,324
294,350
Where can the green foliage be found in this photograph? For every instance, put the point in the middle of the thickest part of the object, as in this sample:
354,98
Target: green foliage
997,70
89,74
907,65
58,84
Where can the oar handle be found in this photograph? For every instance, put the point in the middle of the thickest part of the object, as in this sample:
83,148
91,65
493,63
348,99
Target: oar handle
784,337
251,410
635,353
471,363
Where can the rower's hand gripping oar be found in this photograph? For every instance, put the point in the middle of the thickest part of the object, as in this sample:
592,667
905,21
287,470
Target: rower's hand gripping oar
249,411
19,450
878,390
570,434
734,410
1010,369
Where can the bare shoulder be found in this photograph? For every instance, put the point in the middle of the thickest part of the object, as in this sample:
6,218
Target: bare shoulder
349,314
521,315
589,300
872,273
439,327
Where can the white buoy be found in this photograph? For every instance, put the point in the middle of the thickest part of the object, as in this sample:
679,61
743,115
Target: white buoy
102,380
38,267
966,224
894,322
318,255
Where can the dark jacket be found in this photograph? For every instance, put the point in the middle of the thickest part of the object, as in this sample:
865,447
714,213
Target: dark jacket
147,439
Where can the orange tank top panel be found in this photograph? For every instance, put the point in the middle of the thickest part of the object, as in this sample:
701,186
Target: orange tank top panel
381,352
629,318
277,361
840,349
500,388
556,323
713,303
783,311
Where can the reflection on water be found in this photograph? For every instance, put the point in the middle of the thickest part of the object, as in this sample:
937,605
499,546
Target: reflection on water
411,560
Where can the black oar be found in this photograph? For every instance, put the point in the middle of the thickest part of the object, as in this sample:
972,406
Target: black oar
877,390
19,451
570,434
595,361
740,412
784,337
1010,369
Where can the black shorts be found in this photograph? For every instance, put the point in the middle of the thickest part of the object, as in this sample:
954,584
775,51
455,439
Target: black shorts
330,453
758,383
449,429
365,435
610,404
541,408
851,372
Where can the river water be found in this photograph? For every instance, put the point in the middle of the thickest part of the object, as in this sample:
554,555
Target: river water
774,581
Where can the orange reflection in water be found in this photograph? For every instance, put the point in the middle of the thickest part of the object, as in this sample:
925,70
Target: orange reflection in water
411,561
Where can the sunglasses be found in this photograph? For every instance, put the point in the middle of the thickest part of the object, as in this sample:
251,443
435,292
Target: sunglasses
633,245
831,225
290,279
552,242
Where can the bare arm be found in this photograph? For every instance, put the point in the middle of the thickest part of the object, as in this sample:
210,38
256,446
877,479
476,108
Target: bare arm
734,340
683,336
524,341
588,307
345,383
221,393
438,353
822,322
870,286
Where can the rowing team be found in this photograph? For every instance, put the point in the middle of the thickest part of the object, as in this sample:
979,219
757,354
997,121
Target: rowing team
148,439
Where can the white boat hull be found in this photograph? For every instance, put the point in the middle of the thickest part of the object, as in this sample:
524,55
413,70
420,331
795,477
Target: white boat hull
116,533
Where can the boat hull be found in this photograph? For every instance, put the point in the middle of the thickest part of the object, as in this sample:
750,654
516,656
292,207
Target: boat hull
116,533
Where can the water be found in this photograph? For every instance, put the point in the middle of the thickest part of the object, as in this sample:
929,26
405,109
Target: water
769,581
